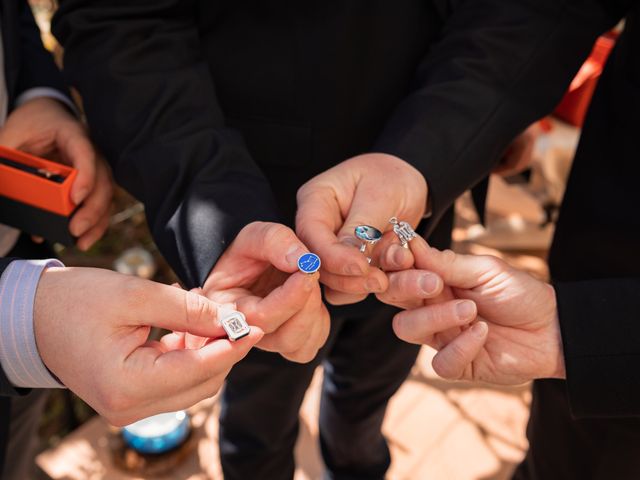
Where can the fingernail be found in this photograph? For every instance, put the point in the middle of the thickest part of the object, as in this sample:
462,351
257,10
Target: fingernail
398,255
373,285
80,195
354,269
465,309
293,254
480,329
429,283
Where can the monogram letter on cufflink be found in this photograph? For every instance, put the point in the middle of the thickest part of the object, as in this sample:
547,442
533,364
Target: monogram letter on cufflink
234,324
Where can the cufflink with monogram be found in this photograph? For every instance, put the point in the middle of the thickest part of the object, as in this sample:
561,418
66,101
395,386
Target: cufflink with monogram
234,323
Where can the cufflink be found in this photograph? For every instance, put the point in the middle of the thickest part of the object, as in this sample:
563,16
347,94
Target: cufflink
234,323
309,263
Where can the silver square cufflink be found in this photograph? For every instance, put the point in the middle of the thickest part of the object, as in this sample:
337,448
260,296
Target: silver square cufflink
234,324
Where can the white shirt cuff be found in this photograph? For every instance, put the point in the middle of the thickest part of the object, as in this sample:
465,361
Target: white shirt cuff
19,354
47,92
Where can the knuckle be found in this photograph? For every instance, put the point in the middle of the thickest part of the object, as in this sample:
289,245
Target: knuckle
301,194
277,234
197,308
113,403
134,292
491,262
291,343
448,256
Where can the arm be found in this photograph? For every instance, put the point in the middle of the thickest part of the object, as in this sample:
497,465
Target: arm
50,327
152,107
498,67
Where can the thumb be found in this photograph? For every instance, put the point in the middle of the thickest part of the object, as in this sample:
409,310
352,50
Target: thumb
367,208
175,309
456,270
268,242
189,368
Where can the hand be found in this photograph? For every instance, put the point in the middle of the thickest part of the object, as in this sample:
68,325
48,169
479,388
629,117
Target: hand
491,323
259,273
97,344
519,155
364,190
44,127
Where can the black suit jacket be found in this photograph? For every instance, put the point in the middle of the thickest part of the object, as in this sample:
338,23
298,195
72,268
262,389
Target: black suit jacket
215,112
27,64
595,258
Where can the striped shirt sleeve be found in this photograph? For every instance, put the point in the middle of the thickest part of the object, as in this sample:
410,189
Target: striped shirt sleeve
19,355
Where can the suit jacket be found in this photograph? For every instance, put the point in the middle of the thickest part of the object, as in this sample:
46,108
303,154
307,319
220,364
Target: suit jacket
215,112
594,260
27,64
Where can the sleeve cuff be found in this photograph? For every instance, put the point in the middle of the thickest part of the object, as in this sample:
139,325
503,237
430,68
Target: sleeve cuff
48,92
19,354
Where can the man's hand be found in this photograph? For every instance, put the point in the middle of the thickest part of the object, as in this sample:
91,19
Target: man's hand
519,155
45,128
364,190
97,344
491,323
259,273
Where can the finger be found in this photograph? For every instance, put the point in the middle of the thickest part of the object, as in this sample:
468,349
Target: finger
300,338
76,150
410,287
179,369
456,270
173,340
281,304
96,205
367,208
454,360
268,243
195,341
374,282
164,306
419,325
390,255
181,400
86,241
336,297
317,219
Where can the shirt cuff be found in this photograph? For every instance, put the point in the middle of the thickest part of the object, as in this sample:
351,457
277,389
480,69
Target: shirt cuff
19,355
48,92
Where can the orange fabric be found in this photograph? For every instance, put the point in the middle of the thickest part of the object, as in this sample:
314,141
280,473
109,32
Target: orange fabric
34,190
574,105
